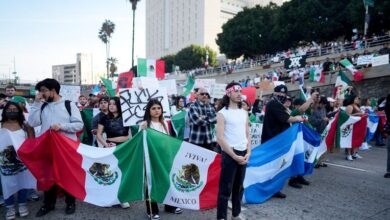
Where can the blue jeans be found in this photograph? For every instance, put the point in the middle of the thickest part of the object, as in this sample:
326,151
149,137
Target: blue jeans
22,197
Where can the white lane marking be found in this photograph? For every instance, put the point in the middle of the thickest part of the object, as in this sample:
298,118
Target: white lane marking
348,167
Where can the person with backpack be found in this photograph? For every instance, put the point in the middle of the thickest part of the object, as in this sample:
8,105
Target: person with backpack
59,115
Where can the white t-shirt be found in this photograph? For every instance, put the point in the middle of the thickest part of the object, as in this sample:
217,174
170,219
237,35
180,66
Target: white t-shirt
158,126
235,128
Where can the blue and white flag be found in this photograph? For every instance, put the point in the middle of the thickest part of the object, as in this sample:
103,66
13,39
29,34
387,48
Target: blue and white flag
290,153
372,125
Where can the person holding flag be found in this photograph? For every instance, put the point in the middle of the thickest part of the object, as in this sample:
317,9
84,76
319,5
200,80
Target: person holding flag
233,137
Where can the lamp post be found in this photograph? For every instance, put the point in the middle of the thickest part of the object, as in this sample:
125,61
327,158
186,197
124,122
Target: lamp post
133,7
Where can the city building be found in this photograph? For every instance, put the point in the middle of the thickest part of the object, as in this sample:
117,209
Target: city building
172,25
79,73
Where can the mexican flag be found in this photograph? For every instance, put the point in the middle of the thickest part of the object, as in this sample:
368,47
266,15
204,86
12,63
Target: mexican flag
316,74
100,176
181,174
189,85
178,124
151,68
328,136
14,174
351,130
342,83
87,115
275,76
357,75
110,86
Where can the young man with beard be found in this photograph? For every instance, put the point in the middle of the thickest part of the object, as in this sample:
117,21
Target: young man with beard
54,115
277,119
233,137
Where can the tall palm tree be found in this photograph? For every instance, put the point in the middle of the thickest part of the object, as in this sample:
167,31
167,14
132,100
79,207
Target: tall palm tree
105,33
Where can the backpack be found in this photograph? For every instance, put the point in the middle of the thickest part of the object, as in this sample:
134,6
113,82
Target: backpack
67,106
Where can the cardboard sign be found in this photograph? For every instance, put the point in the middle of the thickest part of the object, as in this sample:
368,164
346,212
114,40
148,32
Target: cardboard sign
169,85
255,133
266,85
145,82
134,101
380,60
217,90
204,83
70,92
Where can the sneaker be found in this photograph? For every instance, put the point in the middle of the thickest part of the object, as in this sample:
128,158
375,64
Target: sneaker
178,211
154,217
387,175
70,209
34,196
125,205
322,164
23,211
239,217
302,181
43,211
293,183
279,195
10,214
356,156
349,157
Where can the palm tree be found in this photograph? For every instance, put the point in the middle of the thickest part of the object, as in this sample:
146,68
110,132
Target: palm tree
113,68
105,33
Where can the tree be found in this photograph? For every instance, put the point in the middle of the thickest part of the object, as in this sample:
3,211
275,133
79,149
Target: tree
105,33
194,56
169,63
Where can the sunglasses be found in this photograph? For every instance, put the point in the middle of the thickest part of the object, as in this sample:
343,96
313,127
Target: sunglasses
204,94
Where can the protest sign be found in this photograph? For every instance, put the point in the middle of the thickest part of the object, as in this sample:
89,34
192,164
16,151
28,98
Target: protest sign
70,92
380,60
145,82
217,90
364,60
169,85
204,83
134,101
255,134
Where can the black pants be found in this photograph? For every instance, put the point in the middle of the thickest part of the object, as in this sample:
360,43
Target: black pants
50,197
230,182
388,154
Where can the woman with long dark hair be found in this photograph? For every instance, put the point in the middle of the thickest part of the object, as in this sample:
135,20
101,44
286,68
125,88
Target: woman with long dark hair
154,119
13,120
352,105
112,125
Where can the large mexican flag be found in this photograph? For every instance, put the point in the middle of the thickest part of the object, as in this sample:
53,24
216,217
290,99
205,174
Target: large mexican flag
351,130
177,173
151,68
181,174
100,176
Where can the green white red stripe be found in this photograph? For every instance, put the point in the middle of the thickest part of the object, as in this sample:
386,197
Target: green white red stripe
110,86
182,174
151,68
316,74
357,75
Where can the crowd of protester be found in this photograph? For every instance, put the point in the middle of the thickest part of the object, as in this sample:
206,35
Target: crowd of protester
220,125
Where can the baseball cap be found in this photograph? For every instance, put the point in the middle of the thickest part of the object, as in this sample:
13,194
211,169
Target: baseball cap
18,99
281,88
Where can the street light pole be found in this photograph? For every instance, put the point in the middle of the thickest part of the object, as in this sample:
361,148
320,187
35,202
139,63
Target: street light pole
133,7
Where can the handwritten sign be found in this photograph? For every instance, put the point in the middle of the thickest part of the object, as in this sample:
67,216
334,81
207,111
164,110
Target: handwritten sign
364,59
255,133
169,85
204,83
70,92
134,101
217,90
380,60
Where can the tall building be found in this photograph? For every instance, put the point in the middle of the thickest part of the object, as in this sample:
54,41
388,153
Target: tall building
172,25
66,74
79,73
